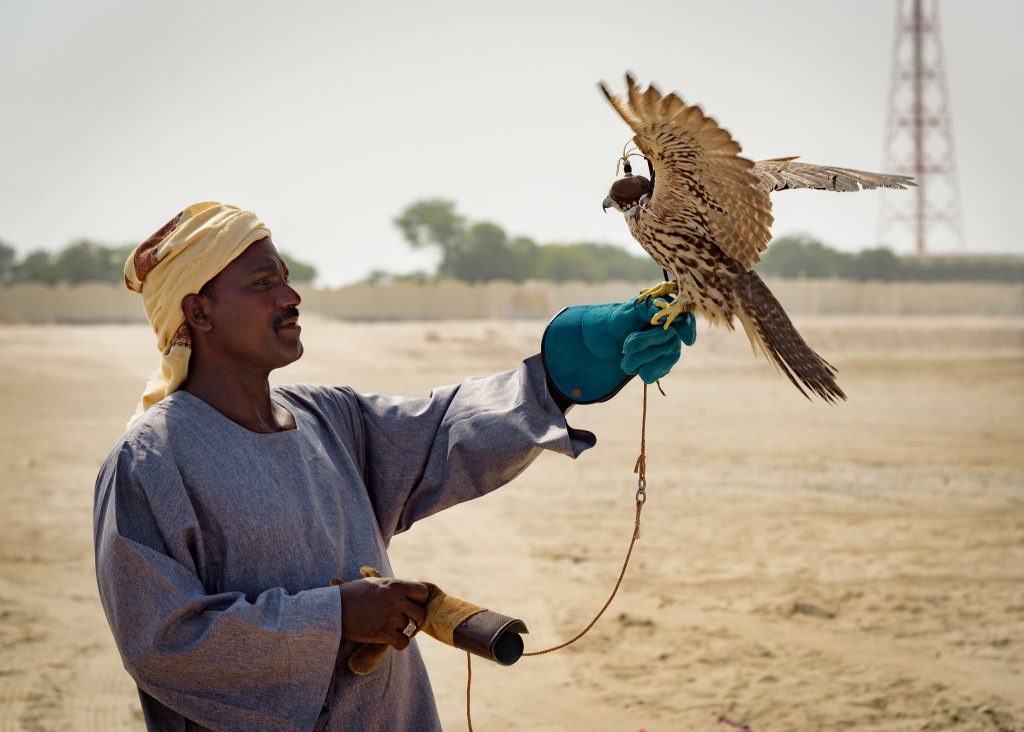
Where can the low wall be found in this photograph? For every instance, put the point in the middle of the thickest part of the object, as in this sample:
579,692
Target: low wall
844,297
92,303
541,300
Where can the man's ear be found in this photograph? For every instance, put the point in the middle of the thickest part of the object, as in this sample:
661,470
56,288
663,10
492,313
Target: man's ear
196,313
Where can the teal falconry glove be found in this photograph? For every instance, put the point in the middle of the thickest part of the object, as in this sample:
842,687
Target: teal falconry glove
591,351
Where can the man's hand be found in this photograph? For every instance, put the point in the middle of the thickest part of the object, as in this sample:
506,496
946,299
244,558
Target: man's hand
375,610
591,351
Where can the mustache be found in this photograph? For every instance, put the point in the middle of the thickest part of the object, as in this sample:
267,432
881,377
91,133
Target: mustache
289,313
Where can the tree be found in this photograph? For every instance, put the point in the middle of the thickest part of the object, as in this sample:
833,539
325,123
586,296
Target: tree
434,222
8,257
482,251
383,277
589,262
524,250
87,261
562,262
84,261
875,264
37,266
802,256
298,270
118,256
485,254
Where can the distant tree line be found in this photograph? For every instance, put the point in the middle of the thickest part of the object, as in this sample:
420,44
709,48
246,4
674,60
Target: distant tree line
87,261
804,256
483,251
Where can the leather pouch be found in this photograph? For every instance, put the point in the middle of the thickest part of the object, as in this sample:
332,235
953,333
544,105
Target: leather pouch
459,624
491,635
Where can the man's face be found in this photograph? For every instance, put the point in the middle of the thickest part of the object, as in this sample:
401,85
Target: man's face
254,311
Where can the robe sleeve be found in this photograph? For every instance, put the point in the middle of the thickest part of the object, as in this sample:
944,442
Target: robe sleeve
424,455
226,661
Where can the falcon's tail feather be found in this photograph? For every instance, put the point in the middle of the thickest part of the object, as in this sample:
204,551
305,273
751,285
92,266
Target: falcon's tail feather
771,331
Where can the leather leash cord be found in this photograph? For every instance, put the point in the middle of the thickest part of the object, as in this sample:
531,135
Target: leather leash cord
469,689
640,468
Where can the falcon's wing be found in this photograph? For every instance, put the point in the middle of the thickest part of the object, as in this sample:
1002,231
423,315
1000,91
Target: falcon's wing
779,174
702,185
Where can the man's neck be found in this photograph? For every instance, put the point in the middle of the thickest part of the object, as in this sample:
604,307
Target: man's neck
241,395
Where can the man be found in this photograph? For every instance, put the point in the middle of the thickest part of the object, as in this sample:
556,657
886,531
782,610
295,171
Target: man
227,507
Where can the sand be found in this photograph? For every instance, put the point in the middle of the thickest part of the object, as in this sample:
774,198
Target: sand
800,567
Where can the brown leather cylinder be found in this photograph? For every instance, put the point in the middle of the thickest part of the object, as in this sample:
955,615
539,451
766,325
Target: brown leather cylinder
492,636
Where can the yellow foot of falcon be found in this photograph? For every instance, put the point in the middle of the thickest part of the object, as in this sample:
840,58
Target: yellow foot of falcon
669,311
659,290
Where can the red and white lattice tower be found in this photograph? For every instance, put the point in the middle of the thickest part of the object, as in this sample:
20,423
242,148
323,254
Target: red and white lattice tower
919,141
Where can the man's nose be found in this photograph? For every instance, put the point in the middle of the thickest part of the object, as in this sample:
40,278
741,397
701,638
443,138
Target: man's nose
290,297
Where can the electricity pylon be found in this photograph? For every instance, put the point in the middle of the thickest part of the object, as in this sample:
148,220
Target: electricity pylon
919,139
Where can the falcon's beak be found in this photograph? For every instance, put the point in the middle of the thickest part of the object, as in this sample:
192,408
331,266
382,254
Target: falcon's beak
607,204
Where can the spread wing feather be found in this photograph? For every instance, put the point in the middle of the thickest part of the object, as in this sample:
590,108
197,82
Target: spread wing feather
704,186
779,174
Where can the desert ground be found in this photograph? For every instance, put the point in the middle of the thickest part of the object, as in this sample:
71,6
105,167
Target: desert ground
800,566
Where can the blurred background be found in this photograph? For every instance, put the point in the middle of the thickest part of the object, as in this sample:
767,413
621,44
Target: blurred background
330,118
433,173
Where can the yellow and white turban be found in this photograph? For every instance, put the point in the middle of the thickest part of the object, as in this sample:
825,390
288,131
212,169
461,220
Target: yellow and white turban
186,253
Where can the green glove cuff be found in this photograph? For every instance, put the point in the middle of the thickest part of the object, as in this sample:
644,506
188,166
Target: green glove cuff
579,376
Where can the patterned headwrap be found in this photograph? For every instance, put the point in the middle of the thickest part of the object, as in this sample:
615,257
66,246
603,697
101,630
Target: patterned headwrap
186,253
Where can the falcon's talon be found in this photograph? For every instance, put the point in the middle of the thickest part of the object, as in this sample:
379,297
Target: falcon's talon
659,290
669,311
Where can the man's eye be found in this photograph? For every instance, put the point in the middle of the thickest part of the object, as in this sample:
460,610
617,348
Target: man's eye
262,283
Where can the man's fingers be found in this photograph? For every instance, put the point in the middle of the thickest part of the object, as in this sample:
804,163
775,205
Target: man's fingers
686,327
658,368
398,640
644,339
414,612
378,610
415,591
635,362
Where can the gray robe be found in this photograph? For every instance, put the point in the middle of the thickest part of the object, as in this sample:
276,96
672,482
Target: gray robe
215,545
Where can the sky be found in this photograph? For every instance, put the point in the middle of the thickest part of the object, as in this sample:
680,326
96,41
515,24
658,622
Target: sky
328,117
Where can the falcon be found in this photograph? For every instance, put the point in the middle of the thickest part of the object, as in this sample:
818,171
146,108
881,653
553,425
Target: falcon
705,216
